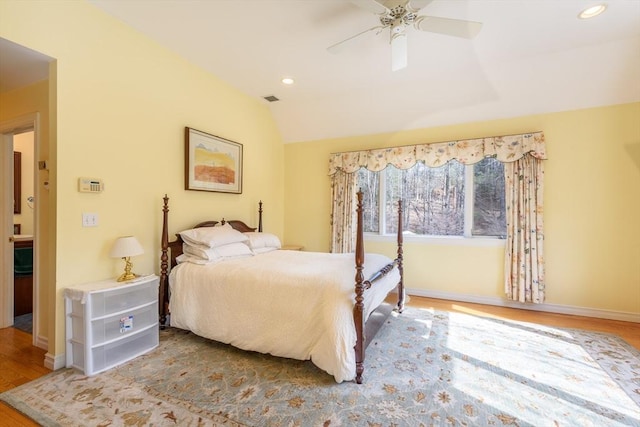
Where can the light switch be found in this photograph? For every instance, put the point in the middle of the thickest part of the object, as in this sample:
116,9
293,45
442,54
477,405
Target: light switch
89,219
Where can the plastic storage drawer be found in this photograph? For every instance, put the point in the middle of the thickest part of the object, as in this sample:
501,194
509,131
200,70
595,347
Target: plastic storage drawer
129,322
109,323
117,352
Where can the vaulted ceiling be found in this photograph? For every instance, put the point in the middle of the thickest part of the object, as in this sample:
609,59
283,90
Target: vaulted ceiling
531,56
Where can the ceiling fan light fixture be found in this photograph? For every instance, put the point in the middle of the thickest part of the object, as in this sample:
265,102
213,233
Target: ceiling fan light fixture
404,15
592,11
287,81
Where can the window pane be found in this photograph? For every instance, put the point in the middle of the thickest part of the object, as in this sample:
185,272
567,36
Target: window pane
489,218
433,199
369,183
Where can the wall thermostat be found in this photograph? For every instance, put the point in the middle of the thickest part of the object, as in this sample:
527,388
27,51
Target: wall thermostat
90,185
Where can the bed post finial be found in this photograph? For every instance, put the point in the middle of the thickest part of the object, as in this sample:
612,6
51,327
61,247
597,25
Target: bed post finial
260,216
358,308
401,291
164,277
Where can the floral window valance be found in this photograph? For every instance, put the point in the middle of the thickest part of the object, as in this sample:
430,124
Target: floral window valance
506,149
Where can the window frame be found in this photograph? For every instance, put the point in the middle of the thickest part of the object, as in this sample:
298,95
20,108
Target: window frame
467,239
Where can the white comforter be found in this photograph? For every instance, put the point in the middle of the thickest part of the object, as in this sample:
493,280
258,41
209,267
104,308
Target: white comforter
286,303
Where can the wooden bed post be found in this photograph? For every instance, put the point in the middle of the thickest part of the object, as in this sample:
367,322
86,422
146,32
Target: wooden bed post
260,216
164,279
401,293
358,308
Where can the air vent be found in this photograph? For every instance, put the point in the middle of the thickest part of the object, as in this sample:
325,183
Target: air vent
271,98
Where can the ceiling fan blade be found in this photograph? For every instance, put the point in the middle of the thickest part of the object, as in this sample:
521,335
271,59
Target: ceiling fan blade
398,51
449,27
338,46
416,5
371,5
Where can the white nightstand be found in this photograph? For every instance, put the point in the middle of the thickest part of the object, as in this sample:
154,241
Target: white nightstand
110,322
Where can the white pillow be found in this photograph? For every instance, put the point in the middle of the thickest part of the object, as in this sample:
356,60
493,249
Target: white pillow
212,236
200,251
263,250
200,255
233,250
259,240
194,260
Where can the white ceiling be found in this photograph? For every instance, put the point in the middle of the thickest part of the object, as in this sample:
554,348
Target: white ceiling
531,56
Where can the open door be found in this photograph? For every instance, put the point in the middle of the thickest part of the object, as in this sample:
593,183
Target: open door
6,231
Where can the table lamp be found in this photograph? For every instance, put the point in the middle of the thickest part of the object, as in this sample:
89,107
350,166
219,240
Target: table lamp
126,247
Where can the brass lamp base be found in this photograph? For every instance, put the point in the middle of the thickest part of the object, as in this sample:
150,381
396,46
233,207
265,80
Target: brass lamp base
124,277
127,275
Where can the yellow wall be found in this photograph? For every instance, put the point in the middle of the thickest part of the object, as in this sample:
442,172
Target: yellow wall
122,103
592,208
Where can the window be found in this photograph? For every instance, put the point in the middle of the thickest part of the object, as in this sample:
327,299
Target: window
435,199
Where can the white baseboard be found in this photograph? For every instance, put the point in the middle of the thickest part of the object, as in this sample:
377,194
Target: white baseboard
42,342
50,361
55,362
551,308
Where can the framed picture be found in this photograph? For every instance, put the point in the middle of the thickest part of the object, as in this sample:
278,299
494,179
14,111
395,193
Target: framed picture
212,163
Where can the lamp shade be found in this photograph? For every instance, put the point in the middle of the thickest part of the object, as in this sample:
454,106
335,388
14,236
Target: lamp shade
125,247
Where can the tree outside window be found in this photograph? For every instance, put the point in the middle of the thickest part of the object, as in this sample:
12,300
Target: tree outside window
435,199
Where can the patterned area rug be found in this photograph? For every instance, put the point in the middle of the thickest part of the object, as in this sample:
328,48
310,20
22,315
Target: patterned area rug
425,368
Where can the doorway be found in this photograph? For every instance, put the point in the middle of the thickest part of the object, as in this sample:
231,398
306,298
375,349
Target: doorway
23,230
19,225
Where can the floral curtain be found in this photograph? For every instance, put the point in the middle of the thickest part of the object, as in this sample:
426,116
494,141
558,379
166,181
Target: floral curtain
524,257
505,148
343,212
522,155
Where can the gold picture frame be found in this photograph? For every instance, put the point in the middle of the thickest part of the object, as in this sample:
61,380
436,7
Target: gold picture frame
212,163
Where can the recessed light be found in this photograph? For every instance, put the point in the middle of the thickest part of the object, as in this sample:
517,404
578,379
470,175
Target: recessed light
592,11
288,81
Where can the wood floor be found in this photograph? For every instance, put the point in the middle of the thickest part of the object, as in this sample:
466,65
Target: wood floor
20,362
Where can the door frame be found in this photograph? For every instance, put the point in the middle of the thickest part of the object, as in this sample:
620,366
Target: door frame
8,128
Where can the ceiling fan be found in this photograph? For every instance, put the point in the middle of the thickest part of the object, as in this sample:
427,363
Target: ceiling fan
398,15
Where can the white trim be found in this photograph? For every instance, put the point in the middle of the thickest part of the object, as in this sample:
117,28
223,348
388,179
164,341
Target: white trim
6,227
550,308
37,258
469,203
56,362
437,240
382,204
41,342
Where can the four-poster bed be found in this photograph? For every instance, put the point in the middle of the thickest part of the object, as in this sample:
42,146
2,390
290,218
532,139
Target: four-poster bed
301,305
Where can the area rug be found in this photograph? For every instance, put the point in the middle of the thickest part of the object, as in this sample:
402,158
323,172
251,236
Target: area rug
425,368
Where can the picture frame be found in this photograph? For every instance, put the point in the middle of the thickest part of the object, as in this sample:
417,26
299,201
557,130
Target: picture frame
212,163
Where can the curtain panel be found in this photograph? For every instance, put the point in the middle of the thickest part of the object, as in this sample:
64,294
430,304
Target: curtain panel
522,154
524,254
343,212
